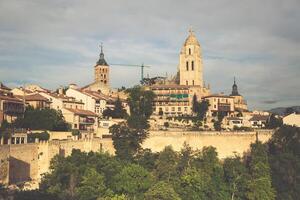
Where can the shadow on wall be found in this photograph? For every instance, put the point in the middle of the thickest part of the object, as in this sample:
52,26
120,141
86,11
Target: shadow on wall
19,171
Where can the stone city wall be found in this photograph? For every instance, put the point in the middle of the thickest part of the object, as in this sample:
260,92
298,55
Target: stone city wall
27,162
4,164
226,143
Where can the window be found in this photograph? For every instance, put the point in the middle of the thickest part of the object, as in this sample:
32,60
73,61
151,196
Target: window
190,51
179,109
193,82
215,106
173,109
192,65
187,65
186,82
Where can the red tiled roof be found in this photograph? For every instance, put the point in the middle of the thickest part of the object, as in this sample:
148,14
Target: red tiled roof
82,112
35,97
10,98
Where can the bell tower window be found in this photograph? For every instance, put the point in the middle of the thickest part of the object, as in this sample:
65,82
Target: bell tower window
187,65
190,51
192,65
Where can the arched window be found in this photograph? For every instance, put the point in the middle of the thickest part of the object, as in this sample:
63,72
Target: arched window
190,51
187,65
193,82
192,65
187,82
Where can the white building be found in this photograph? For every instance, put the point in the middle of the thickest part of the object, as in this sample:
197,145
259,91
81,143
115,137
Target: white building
93,101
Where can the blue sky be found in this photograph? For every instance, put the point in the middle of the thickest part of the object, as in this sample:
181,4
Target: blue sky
53,43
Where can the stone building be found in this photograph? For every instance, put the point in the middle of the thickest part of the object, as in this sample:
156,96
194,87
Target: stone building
190,62
171,100
10,106
220,104
174,96
240,104
101,74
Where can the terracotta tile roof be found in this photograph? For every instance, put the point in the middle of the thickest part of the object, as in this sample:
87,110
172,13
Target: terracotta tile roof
82,112
35,97
10,98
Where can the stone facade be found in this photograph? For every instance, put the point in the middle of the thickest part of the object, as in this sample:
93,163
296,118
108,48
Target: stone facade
190,62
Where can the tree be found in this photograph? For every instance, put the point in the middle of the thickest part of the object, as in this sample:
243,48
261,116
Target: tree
146,159
140,103
236,176
161,191
259,185
117,112
133,180
193,184
43,119
127,141
92,186
284,159
274,122
166,164
195,104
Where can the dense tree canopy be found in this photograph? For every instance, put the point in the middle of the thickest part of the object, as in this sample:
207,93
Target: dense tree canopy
43,119
268,171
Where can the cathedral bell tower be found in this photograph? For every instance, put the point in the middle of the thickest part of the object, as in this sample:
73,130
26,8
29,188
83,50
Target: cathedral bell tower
190,62
102,70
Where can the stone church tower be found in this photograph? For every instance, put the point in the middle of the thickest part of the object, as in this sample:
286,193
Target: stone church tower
190,62
102,70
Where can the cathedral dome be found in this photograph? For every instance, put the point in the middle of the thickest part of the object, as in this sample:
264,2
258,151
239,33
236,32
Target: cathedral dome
191,39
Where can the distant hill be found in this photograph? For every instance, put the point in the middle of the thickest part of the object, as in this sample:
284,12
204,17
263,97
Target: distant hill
283,110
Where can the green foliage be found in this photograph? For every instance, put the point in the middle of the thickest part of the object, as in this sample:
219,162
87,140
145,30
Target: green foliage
43,119
140,103
5,129
166,164
236,176
217,126
133,180
161,191
127,141
43,136
75,132
259,185
188,174
274,122
92,186
117,112
284,148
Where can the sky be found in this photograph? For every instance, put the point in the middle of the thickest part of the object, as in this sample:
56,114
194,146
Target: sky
54,43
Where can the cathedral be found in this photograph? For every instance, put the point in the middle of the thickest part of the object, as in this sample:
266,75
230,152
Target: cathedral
174,96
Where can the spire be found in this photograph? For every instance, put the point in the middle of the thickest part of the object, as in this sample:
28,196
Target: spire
101,60
234,89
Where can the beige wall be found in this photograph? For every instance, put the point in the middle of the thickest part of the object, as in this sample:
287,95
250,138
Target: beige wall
226,143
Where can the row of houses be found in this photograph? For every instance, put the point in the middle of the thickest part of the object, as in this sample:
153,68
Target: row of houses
81,108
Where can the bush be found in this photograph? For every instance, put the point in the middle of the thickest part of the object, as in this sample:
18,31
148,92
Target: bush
43,136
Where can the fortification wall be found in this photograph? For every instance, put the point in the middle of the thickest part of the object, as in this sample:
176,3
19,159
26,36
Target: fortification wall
23,162
226,143
27,162
4,164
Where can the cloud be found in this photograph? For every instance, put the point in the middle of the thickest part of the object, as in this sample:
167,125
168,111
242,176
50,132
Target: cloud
56,42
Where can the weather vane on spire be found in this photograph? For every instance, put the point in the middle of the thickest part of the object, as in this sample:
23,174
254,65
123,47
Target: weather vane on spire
101,46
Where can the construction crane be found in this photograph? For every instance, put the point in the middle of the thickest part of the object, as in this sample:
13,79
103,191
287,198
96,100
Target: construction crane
129,65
